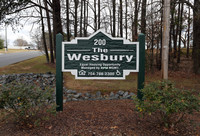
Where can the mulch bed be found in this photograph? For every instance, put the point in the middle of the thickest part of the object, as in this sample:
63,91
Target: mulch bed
106,117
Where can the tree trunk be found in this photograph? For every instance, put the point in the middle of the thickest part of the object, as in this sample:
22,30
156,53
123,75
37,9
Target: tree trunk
161,36
75,17
165,49
180,29
177,30
126,20
172,29
99,14
81,20
188,38
67,12
184,40
170,41
136,22
113,4
84,26
85,17
57,25
95,16
111,26
152,38
133,29
196,39
43,34
143,17
50,33
157,54
118,23
121,19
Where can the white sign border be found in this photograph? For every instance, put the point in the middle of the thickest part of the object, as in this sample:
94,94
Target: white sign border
125,72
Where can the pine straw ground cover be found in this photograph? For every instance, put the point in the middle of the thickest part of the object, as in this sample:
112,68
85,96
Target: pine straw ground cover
106,117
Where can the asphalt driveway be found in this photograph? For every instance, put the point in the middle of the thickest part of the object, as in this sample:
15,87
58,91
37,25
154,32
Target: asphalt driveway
11,58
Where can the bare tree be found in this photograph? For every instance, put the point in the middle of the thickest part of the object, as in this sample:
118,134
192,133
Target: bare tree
180,29
50,33
196,39
99,14
67,13
121,19
135,23
43,33
57,23
75,17
95,15
113,13
143,16
126,19
188,33
177,30
85,17
20,42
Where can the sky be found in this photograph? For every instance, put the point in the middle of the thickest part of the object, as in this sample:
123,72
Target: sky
23,33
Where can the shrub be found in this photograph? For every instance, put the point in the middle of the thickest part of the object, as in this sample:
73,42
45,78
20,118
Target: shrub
26,103
170,103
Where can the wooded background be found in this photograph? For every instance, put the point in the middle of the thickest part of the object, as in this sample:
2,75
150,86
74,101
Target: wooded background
127,18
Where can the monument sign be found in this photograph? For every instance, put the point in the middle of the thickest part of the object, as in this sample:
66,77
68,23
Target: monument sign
100,56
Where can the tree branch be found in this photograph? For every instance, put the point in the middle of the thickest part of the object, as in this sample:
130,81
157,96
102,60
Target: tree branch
18,10
186,2
35,4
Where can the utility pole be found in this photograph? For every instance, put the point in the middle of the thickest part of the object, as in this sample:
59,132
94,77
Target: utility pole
6,40
165,41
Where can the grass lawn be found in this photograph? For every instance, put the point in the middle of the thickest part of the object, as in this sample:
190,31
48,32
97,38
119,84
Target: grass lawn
12,50
39,65
35,65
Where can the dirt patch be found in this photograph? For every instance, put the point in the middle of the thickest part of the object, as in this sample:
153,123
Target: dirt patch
26,68
116,117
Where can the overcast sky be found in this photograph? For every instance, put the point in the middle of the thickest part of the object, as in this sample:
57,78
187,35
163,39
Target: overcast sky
23,33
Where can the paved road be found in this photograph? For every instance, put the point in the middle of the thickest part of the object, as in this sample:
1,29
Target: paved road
10,58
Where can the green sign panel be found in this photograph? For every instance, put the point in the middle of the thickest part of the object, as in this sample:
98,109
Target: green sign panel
100,56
